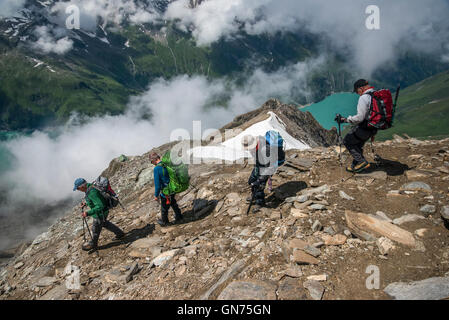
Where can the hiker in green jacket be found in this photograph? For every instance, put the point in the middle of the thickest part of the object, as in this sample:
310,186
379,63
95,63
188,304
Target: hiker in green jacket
98,211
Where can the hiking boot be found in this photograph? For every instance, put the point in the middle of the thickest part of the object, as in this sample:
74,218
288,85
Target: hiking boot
359,167
120,236
89,246
248,200
256,208
162,223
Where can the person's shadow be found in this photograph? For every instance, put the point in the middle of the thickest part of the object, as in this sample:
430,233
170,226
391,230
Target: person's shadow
286,190
130,237
201,208
391,167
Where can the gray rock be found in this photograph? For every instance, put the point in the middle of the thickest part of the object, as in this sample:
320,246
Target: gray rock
329,230
131,272
312,251
45,282
428,209
445,212
57,293
316,290
317,206
233,270
289,289
164,257
385,245
300,199
407,218
249,290
428,289
145,177
383,216
345,196
317,226
322,189
416,186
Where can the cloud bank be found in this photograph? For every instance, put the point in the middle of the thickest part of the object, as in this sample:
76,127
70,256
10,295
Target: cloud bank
47,42
10,7
45,167
404,24
420,25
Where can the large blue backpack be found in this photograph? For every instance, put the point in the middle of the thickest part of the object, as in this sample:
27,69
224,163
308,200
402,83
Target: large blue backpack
274,139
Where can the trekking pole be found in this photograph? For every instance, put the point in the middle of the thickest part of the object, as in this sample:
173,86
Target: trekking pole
340,141
90,234
88,229
251,203
84,233
123,208
395,102
252,200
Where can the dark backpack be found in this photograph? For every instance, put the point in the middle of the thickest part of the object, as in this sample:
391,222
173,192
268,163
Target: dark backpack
104,187
381,110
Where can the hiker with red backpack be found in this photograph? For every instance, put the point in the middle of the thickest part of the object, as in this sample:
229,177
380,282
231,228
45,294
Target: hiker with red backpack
99,210
161,190
375,111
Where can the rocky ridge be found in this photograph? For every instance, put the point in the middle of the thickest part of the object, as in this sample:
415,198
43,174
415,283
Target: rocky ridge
321,236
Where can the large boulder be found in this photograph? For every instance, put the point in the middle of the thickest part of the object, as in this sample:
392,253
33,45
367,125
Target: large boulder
370,228
428,289
249,290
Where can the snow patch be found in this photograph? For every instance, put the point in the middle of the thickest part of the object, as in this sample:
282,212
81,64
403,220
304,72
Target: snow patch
233,150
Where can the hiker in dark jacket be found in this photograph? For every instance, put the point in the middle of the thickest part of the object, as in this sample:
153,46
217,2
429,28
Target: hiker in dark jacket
264,168
98,211
161,180
360,133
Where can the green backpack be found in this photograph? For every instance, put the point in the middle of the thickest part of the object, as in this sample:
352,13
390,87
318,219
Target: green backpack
179,175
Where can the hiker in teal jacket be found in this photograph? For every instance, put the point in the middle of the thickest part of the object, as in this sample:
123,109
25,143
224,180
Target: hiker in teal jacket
98,211
161,180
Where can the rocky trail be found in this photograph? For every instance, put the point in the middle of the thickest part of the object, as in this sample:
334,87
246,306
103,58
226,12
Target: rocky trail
319,238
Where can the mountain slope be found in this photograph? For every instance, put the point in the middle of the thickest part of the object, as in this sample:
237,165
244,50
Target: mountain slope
309,243
423,109
125,58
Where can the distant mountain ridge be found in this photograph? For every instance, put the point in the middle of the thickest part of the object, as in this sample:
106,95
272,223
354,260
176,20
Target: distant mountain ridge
106,67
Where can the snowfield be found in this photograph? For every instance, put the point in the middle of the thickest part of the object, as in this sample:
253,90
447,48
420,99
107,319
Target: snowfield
233,150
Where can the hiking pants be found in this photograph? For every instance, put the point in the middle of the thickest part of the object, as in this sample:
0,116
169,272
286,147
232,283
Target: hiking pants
355,140
98,226
166,203
258,188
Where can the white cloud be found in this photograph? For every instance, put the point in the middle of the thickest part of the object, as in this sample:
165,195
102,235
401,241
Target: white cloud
420,25
47,43
213,19
10,7
113,11
85,150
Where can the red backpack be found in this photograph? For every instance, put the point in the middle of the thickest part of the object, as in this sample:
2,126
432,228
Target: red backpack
381,110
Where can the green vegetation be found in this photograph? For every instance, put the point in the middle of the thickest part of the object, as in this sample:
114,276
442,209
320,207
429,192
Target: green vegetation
97,77
423,109
30,97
